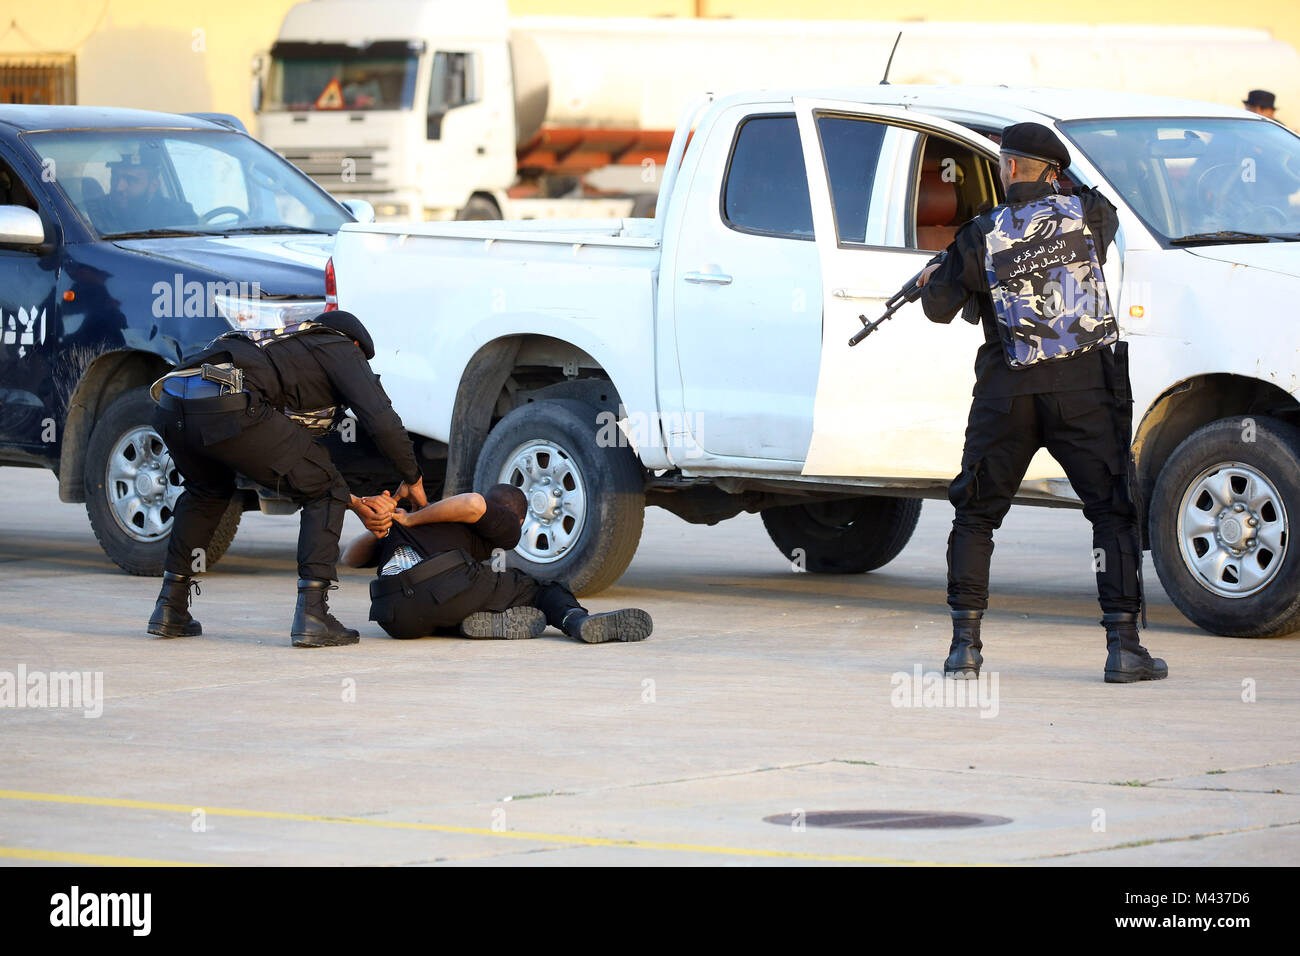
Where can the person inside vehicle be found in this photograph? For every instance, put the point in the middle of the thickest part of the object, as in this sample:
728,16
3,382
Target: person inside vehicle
431,574
135,199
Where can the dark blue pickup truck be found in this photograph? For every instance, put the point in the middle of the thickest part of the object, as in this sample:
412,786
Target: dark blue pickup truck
127,239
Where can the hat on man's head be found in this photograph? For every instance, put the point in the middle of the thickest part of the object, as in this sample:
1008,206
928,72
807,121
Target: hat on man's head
1261,98
351,326
138,160
1037,142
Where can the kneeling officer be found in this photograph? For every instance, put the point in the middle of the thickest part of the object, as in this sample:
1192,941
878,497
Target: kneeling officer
254,403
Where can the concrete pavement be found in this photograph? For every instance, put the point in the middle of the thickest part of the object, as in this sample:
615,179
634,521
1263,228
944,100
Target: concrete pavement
762,693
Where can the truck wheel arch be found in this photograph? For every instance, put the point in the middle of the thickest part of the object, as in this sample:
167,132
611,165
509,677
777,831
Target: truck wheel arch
105,378
1197,401
484,395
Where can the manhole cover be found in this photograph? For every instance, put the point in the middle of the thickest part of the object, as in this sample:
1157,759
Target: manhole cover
887,819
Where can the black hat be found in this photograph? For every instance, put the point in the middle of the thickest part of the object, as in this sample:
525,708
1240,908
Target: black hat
1261,98
1037,142
144,159
351,326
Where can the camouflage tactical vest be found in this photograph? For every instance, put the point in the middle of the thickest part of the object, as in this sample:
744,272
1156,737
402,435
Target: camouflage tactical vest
318,421
1045,281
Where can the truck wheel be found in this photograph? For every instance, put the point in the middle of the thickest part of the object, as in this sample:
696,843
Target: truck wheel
1220,527
586,500
845,536
132,487
477,209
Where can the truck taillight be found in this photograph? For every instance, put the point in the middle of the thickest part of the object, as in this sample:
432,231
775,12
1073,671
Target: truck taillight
331,289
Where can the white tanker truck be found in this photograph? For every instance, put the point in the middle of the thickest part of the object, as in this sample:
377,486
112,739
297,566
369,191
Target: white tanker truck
439,109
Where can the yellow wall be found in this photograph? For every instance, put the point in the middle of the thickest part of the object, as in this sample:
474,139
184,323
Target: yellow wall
1282,17
193,55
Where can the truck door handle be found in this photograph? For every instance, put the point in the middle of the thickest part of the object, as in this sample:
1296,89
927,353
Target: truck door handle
715,277
860,294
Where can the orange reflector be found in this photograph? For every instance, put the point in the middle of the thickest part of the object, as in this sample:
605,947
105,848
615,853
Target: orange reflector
1136,311
69,295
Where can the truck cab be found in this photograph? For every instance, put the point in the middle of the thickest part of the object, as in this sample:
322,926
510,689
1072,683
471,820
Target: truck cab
414,117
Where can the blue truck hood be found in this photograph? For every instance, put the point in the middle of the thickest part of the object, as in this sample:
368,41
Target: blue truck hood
290,264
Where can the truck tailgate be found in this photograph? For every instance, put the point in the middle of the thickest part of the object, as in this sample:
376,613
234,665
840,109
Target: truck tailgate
432,294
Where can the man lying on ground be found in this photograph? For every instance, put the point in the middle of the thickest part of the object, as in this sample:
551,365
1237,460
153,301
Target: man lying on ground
431,574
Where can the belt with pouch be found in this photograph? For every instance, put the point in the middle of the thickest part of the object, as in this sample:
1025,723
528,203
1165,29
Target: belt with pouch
405,583
208,388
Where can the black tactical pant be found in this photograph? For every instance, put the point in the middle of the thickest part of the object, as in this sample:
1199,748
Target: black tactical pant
209,446
1081,430
447,599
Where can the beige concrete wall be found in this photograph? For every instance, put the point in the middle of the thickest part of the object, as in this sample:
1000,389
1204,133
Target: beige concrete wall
183,55
190,55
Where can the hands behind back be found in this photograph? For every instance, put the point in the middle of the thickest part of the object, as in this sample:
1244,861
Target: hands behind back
375,512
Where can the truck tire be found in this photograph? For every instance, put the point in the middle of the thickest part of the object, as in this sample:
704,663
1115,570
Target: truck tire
478,208
132,486
847,536
584,536
1227,575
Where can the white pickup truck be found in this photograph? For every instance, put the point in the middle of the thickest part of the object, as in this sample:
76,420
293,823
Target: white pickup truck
698,360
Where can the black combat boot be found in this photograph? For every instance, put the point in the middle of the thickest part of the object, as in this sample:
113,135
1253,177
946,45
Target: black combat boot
1128,661
171,615
313,624
964,659
629,624
512,624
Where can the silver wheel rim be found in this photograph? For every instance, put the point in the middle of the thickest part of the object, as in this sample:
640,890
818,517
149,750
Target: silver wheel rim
1232,530
557,499
142,485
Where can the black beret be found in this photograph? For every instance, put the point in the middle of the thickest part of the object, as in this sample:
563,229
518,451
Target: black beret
1035,141
351,326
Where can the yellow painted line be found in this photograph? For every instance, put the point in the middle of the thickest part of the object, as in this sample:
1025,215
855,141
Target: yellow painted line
563,839
90,859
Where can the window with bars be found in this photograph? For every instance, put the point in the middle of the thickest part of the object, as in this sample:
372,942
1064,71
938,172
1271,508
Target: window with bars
47,79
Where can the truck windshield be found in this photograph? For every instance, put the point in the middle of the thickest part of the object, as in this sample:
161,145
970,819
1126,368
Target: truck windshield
1192,179
192,182
334,76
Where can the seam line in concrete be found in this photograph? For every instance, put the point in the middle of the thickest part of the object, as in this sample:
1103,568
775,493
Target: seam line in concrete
1177,839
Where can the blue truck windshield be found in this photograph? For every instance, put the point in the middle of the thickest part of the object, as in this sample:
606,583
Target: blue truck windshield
155,181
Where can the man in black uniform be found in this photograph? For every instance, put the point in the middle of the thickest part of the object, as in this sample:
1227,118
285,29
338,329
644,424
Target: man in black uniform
135,199
431,576
250,404
1045,377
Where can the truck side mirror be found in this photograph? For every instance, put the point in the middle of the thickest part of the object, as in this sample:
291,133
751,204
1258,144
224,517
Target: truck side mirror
433,126
20,226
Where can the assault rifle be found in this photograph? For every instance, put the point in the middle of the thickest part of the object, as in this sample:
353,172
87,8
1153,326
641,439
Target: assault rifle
908,293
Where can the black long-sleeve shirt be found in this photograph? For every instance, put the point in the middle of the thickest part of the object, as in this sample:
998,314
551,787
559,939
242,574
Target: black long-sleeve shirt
352,380
318,369
962,274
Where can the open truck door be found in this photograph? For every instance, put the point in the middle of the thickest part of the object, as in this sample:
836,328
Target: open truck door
889,189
